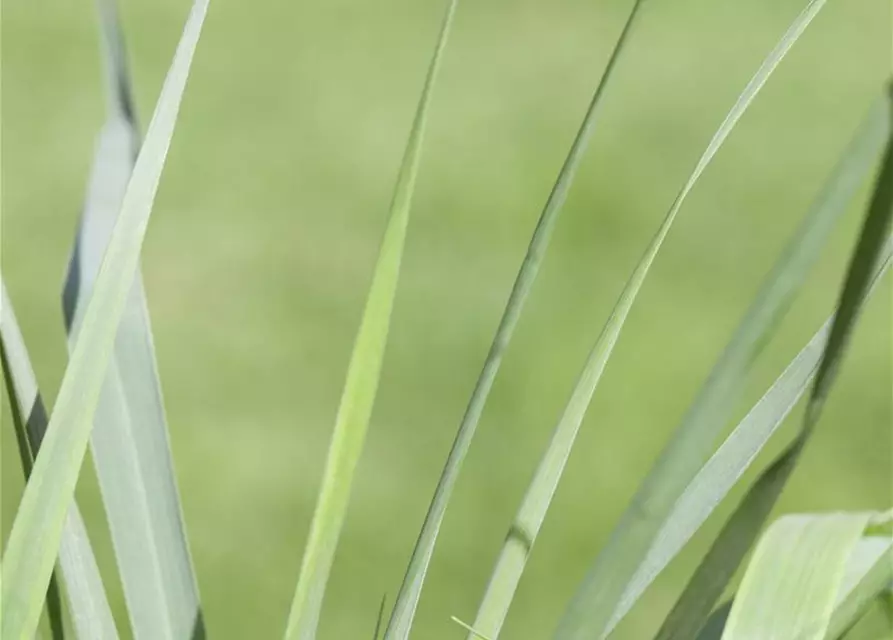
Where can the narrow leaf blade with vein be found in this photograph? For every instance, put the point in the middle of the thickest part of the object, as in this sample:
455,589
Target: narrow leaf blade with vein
363,374
36,531
87,602
401,618
131,452
592,607
717,477
791,584
868,573
525,528
741,530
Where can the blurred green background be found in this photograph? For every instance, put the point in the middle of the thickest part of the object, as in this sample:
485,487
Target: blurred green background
267,226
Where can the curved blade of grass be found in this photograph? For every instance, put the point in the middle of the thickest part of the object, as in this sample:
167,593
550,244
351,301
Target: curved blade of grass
131,451
592,608
791,584
740,531
36,532
363,374
717,477
379,620
868,572
87,602
402,615
524,529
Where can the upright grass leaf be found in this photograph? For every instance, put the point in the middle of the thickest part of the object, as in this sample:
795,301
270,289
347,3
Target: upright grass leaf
403,613
717,477
739,533
87,602
868,572
525,528
34,539
791,584
379,619
130,445
592,608
28,445
363,373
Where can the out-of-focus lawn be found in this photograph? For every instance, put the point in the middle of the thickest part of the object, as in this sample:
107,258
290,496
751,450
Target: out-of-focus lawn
267,224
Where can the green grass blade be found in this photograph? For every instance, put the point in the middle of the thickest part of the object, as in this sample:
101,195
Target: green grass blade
403,613
592,608
87,601
692,611
868,572
525,528
875,232
363,374
791,584
130,446
36,532
717,477
379,620
741,530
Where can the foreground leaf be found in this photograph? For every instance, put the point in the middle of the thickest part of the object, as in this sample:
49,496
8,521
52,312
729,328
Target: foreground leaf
400,622
868,571
36,532
87,602
527,523
362,379
741,530
594,604
129,442
791,584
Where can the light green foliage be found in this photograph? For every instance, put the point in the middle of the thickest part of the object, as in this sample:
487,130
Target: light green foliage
869,571
404,611
262,251
691,444
525,528
129,441
791,584
740,531
87,601
363,374
37,530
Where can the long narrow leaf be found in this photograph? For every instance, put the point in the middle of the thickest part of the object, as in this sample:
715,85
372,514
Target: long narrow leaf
740,531
130,445
87,601
37,529
791,584
692,611
401,619
363,374
717,477
592,608
528,521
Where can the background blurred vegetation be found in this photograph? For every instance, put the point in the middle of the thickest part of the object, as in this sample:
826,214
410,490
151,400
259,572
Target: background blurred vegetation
267,225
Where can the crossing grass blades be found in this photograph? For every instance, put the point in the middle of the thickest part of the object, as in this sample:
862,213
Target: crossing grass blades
810,576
